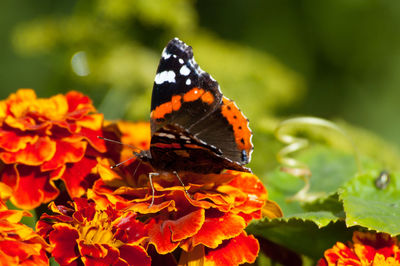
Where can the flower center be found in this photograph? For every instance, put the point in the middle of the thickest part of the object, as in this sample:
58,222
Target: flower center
99,230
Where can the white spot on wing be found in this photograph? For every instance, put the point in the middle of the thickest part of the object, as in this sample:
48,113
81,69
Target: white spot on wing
188,82
162,134
181,61
165,55
184,70
165,76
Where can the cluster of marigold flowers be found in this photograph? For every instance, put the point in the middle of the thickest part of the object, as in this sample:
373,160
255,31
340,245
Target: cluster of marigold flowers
50,154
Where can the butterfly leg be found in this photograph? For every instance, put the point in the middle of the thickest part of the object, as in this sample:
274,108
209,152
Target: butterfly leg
183,185
152,187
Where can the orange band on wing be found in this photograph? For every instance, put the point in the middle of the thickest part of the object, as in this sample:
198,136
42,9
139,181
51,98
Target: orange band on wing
161,110
207,98
167,108
176,102
196,93
193,95
239,123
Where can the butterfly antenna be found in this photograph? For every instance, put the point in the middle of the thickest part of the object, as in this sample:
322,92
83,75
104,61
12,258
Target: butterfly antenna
118,164
118,142
129,145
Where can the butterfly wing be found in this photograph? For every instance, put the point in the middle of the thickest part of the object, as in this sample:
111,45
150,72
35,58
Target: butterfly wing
174,148
188,98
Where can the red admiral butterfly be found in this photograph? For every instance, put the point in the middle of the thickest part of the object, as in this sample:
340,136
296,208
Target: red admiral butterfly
193,126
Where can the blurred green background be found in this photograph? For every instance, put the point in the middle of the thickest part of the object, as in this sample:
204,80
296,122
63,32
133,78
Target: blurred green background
332,59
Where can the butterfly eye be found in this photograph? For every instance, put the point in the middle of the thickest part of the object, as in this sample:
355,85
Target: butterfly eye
383,179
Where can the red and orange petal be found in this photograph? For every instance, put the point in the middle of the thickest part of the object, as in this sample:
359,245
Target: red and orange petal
50,135
63,238
366,249
30,186
5,194
42,150
19,244
235,251
220,226
166,234
13,141
92,236
78,177
367,245
65,152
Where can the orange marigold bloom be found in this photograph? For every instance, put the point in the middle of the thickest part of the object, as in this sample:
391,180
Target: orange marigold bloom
366,249
211,221
91,236
48,139
19,244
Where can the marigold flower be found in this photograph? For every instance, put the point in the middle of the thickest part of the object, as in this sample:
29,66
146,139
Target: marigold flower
19,244
212,219
366,248
85,234
48,139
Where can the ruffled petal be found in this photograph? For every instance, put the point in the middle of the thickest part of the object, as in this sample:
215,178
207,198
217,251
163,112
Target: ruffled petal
33,187
34,153
217,227
238,250
64,238
66,152
77,101
76,177
12,141
134,255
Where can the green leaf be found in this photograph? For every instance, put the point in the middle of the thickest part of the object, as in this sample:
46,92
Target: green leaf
371,207
330,170
320,218
280,187
301,234
53,262
331,204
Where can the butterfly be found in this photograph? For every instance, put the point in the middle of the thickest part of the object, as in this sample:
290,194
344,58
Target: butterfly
193,126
